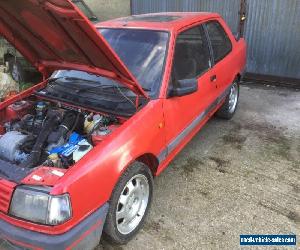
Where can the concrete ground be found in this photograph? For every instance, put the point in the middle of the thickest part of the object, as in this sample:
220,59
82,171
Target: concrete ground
235,177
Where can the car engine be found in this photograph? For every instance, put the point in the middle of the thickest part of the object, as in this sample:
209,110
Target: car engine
49,134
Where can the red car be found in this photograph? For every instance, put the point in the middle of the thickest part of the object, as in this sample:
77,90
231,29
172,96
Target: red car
79,151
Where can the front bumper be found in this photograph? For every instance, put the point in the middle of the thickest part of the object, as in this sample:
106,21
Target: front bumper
86,235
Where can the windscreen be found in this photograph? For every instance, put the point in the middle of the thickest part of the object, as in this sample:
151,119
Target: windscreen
143,52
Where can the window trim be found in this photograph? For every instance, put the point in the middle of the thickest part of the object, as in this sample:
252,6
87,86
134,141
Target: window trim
156,93
210,43
211,59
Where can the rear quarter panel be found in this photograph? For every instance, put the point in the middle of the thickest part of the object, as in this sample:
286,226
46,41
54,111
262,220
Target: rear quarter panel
238,53
232,65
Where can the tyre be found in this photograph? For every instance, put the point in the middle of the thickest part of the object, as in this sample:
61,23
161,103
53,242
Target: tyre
227,110
16,70
129,204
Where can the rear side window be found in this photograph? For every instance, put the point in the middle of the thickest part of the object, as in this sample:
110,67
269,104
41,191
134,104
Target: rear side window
220,42
192,56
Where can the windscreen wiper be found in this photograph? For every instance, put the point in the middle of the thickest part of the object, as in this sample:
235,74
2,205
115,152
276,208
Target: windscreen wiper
105,86
84,89
100,86
69,79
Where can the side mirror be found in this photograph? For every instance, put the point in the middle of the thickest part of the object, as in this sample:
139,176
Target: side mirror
185,87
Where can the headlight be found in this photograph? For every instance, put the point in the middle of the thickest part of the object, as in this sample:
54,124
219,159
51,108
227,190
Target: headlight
36,205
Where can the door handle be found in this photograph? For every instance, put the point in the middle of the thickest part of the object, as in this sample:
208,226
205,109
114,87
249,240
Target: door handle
213,78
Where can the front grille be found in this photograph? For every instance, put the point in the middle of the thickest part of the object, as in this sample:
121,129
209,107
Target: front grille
6,190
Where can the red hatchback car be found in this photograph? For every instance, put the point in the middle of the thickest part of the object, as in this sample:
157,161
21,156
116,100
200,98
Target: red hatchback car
78,152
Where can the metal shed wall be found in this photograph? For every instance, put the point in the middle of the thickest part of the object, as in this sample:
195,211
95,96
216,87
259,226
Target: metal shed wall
272,29
272,32
227,8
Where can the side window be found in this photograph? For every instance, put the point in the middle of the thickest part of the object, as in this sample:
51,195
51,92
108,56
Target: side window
192,56
220,42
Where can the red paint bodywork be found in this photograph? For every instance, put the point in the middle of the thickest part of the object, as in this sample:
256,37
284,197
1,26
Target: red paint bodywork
54,34
146,134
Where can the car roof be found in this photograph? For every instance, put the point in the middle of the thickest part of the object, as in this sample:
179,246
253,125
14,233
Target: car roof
159,21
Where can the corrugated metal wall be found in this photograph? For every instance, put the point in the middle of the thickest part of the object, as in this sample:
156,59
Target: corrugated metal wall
222,7
273,33
272,29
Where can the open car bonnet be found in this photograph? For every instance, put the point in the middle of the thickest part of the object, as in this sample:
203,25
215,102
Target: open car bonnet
54,34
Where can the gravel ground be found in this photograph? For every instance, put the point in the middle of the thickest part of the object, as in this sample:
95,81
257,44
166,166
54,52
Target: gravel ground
235,177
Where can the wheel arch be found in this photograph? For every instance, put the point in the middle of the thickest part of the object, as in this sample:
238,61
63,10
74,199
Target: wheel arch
238,77
149,160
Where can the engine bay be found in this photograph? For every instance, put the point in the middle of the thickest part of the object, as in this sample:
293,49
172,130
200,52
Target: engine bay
44,133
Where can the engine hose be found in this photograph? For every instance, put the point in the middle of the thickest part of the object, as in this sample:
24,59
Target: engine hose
69,124
69,120
72,122
51,122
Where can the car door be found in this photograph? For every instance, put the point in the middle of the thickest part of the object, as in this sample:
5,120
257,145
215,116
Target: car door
191,59
221,46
